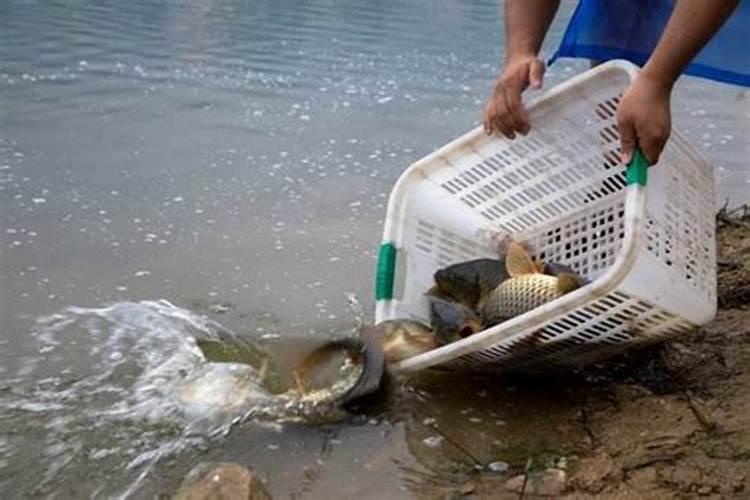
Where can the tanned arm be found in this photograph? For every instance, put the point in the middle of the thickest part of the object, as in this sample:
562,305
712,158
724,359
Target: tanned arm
644,114
526,24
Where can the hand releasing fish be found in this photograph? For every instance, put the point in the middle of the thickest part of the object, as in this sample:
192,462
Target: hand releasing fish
526,289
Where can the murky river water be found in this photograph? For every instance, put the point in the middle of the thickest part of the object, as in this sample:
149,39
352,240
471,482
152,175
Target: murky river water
229,157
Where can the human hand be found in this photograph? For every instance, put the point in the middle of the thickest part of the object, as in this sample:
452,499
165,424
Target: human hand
504,111
644,118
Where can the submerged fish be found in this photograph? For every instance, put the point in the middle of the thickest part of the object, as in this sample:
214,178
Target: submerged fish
527,287
467,283
216,389
400,339
452,321
327,379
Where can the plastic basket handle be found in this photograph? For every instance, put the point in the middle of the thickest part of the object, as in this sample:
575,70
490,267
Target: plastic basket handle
385,272
637,169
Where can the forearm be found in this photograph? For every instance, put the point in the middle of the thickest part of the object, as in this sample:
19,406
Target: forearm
690,27
526,24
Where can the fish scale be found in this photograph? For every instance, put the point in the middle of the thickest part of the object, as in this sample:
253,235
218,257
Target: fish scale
520,294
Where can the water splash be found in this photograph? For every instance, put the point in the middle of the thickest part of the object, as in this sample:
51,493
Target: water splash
123,384
356,310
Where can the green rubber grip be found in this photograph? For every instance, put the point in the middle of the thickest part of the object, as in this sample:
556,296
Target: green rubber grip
637,171
386,271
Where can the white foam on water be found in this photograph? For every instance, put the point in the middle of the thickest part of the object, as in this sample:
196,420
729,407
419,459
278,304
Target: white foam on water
118,388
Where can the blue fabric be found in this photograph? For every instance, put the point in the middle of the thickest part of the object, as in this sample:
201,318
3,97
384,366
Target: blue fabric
630,29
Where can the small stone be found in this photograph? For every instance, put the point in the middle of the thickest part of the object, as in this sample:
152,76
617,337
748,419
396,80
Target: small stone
433,441
515,483
497,466
705,490
643,479
470,486
592,472
549,483
221,481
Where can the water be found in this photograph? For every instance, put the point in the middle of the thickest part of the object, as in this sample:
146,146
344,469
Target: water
229,157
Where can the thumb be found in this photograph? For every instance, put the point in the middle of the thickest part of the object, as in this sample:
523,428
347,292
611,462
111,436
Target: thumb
536,73
627,140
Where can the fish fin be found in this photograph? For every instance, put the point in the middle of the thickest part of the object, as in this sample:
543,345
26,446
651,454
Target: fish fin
519,261
567,282
503,242
538,267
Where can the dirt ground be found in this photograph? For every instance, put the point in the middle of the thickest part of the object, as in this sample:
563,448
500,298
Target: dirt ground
674,421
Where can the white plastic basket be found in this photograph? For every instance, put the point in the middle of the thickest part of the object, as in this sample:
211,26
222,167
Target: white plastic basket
651,259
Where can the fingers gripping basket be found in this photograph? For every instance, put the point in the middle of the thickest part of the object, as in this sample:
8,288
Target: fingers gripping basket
644,237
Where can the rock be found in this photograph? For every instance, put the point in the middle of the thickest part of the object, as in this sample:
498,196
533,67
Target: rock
705,490
549,483
644,480
221,481
497,466
593,472
470,486
631,392
515,483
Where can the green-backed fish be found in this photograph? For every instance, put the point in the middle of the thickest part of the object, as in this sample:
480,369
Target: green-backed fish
467,283
526,289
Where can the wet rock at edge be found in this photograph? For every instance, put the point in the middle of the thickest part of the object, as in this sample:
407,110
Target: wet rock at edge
221,481
550,483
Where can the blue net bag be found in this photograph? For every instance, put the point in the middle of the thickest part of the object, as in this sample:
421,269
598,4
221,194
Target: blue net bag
628,29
